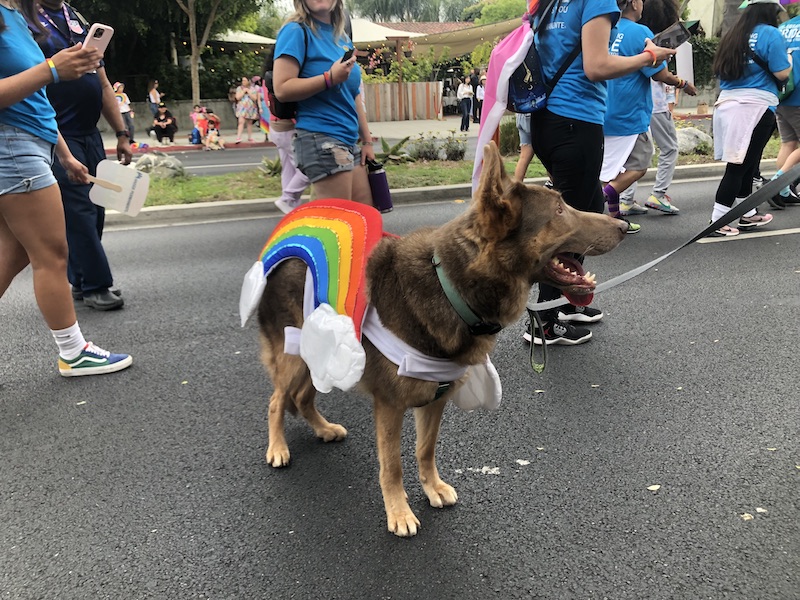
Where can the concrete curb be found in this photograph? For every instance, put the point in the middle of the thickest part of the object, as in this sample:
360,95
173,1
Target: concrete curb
265,207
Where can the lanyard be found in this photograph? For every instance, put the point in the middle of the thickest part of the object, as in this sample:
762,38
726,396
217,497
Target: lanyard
72,25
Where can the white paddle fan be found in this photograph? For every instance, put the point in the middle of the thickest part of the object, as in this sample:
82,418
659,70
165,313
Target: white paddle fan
119,187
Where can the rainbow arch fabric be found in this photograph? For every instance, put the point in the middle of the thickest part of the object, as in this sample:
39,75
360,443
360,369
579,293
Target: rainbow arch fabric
334,238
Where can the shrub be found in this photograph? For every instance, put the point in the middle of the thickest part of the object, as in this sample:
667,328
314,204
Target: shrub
425,148
509,136
454,147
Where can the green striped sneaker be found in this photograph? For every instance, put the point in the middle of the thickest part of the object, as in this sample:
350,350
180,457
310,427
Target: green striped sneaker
93,361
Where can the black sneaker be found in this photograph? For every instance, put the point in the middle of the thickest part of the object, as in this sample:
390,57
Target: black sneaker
777,202
793,199
579,314
549,184
758,182
559,333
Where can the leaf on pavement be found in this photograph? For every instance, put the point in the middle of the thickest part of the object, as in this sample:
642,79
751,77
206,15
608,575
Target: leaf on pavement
746,517
654,488
522,462
763,511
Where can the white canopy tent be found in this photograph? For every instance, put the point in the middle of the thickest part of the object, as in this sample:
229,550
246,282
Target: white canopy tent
367,33
243,37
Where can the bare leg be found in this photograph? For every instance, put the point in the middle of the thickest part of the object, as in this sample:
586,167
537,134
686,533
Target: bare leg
36,221
428,419
525,157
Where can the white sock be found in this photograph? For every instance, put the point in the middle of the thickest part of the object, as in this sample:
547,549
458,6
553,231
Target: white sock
738,201
70,341
720,210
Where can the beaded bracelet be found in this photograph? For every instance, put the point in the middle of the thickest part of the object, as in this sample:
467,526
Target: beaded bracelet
53,70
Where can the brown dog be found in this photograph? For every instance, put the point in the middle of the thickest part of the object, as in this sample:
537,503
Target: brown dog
493,253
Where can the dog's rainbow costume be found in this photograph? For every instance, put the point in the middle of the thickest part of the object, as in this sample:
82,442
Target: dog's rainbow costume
334,238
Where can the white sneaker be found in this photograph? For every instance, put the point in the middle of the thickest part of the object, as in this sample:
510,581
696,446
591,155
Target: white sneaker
286,206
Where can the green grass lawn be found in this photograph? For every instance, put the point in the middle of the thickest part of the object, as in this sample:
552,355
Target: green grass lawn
248,185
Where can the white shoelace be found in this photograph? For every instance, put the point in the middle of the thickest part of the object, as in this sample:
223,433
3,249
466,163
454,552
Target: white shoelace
90,347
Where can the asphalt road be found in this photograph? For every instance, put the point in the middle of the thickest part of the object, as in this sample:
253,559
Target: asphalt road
151,483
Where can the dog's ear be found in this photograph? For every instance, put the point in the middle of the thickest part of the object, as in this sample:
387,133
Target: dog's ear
499,210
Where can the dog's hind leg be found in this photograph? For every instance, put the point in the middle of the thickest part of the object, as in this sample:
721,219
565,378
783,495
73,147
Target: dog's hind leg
323,429
401,520
428,419
285,371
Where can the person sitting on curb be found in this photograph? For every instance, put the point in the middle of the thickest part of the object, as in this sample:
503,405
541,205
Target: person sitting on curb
164,126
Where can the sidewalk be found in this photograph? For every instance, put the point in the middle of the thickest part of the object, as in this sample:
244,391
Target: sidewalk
391,130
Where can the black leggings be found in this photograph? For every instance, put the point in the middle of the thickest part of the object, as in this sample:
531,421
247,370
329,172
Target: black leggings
737,182
572,152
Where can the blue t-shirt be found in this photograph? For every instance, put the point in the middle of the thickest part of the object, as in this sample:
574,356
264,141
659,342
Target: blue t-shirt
574,96
79,102
791,33
630,98
768,43
18,53
333,111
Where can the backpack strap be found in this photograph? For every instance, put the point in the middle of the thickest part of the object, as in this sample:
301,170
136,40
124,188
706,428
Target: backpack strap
550,85
763,64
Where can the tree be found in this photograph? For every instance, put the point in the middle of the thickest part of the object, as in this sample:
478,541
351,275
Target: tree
501,10
205,15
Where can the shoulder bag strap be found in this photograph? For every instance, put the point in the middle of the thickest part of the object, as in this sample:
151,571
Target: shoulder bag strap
550,85
763,64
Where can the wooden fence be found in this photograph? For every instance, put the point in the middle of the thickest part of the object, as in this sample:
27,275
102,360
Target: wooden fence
420,101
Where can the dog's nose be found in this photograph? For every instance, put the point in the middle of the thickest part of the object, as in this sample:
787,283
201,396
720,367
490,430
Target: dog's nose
622,226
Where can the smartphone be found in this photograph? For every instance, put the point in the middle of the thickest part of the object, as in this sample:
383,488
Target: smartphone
348,54
672,37
98,37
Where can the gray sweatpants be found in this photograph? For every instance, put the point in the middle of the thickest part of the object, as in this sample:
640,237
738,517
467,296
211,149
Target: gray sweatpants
665,136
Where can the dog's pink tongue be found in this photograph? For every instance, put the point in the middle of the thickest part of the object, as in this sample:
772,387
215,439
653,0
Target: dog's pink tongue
579,299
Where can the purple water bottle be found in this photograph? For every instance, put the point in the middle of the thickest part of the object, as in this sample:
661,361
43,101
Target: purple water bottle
381,197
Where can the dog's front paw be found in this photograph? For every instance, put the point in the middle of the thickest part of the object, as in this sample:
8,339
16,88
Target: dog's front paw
440,494
278,455
332,432
403,522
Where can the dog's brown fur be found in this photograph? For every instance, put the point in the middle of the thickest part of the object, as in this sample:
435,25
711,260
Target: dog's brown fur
493,253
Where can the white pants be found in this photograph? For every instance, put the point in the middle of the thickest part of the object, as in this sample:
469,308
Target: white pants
293,182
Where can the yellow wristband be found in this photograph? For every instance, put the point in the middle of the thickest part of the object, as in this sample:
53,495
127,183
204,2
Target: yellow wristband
53,70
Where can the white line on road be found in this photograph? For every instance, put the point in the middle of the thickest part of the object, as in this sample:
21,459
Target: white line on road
750,235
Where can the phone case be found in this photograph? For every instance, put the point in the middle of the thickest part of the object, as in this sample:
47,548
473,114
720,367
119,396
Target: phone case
672,37
98,37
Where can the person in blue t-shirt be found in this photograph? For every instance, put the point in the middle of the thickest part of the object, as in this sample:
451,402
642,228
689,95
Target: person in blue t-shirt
788,117
331,117
567,135
750,58
31,215
628,146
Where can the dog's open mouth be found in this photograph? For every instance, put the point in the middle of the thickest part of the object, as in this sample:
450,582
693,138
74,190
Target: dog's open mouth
568,275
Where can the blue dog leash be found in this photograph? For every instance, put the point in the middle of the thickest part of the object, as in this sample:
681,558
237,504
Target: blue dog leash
768,190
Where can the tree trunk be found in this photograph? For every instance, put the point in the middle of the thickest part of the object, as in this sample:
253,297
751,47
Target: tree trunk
730,14
195,58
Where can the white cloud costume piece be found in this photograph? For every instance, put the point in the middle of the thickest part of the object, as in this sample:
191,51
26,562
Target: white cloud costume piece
334,238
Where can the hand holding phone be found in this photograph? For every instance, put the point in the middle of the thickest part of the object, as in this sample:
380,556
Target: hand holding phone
348,54
98,37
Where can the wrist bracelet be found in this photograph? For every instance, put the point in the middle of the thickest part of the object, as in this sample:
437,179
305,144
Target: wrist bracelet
367,144
327,77
53,70
653,54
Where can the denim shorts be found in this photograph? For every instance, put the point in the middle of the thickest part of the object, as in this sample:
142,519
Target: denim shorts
25,161
524,129
319,156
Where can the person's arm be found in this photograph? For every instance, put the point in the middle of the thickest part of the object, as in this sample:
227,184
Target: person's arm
367,148
665,76
76,171
69,64
290,87
599,65
114,118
